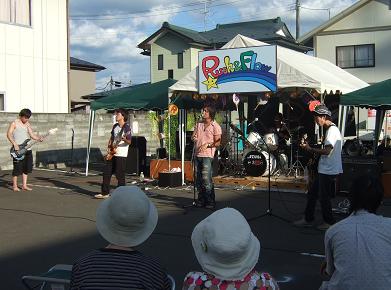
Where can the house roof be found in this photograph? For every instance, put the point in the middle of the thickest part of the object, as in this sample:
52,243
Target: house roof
79,64
306,39
102,94
272,31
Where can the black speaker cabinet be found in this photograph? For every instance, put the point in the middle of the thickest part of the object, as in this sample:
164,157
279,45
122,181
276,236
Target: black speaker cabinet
170,179
137,156
354,167
132,161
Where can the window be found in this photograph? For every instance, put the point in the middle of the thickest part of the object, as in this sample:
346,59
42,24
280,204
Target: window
356,56
180,60
1,101
16,11
160,62
170,74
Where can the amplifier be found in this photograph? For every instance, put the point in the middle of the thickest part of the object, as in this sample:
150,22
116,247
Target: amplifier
354,167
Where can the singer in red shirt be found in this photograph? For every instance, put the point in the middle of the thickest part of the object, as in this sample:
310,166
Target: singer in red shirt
206,137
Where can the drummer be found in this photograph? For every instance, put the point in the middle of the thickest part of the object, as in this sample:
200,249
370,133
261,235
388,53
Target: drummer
281,130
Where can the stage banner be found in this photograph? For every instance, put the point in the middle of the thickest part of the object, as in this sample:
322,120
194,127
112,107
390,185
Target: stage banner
236,70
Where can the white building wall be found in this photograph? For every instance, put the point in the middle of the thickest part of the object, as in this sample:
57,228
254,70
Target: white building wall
353,30
34,60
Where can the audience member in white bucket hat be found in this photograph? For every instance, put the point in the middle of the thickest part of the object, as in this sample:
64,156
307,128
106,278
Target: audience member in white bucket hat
227,251
125,220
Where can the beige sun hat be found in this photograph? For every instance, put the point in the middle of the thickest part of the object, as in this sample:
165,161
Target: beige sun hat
225,246
127,218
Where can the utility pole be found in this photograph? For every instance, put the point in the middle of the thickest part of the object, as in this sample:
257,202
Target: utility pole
111,83
206,11
297,7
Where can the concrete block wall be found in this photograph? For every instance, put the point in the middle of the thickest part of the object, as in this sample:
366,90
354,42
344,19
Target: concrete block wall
55,151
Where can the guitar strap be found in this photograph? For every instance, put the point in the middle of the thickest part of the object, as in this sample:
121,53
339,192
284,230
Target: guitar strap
120,132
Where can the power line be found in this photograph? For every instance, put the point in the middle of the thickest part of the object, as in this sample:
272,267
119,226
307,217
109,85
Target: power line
148,13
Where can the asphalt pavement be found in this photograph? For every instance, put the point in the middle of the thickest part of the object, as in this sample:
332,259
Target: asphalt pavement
55,224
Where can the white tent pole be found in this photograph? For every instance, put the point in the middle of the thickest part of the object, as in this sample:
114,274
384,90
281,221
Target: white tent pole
343,123
90,130
169,141
183,142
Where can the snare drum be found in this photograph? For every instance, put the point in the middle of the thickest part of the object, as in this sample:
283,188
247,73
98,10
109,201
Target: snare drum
271,140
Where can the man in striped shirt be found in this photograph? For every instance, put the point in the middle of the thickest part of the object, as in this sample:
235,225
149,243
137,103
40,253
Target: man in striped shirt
125,220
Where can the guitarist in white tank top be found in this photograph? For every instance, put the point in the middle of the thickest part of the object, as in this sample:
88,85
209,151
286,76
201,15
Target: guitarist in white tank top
18,131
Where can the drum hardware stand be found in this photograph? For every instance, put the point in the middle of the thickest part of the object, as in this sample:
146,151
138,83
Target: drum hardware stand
194,202
269,208
296,167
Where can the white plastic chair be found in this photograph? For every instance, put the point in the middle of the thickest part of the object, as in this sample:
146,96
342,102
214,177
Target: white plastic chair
57,277
172,281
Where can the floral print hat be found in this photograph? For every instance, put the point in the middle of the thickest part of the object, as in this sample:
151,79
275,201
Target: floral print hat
225,246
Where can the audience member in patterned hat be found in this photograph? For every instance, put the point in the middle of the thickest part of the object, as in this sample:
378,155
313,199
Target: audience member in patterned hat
228,252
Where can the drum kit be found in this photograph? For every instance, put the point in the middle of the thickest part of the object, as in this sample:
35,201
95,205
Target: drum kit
261,156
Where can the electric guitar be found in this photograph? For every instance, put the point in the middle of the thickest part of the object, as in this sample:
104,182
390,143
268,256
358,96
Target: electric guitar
112,149
21,153
313,161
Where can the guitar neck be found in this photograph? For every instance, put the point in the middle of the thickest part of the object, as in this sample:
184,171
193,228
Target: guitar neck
36,141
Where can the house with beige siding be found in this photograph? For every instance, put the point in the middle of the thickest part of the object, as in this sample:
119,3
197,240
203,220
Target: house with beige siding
34,56
173,50
82,81
358,40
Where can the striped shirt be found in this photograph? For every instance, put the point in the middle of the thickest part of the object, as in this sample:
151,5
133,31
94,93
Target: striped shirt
105,269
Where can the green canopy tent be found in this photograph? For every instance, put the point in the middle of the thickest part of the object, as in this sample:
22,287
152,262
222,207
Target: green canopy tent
376,96
143,97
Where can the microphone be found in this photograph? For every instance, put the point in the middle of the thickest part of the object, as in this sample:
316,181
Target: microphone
255,120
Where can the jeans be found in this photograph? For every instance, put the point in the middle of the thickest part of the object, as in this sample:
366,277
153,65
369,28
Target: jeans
204,182
116,165
324,188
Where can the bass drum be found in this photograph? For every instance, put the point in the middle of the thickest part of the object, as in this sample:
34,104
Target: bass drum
256,163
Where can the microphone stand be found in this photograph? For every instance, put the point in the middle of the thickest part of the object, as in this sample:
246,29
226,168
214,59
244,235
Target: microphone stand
269,211
194,202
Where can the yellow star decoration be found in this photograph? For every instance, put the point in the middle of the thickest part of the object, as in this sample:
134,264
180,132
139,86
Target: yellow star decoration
210,83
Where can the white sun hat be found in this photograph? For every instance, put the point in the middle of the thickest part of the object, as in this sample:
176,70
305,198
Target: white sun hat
225,246
127,218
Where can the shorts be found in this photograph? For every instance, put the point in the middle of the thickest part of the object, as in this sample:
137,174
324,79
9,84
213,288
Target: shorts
24,166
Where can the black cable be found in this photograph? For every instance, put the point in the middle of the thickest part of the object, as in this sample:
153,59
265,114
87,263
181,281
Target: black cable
48,215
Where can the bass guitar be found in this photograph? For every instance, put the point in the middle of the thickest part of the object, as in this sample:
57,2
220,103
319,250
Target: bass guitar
21,153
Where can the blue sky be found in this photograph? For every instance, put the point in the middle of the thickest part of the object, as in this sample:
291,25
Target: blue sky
107,32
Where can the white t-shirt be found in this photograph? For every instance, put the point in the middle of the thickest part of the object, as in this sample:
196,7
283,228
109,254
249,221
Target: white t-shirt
332,164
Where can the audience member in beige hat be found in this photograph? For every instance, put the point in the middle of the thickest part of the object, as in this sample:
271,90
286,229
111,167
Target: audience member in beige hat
126,219
227,251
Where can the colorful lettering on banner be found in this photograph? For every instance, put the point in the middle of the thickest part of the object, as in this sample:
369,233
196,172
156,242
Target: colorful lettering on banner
227,66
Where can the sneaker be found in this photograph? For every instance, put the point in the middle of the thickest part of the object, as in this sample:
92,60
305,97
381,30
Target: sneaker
323,227
101,196
210,205
302,223
200,203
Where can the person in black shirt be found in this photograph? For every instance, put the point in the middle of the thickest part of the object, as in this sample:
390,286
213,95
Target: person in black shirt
126,219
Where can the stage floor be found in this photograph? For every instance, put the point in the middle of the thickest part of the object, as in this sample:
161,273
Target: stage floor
277,183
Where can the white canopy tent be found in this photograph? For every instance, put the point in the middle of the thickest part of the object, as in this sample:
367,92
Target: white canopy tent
294,70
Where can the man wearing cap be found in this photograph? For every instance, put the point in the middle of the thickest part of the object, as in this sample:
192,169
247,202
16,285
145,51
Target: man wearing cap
329,167
125,220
